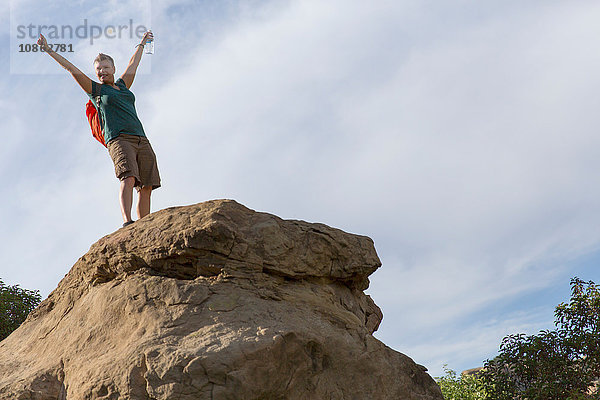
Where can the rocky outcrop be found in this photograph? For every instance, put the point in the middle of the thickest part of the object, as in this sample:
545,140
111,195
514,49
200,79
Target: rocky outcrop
212,301
472,372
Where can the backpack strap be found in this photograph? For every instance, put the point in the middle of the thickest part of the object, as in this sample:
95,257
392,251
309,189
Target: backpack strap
93,114
96,100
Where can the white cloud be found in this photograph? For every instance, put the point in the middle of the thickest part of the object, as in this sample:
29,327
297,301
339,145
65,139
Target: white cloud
471,345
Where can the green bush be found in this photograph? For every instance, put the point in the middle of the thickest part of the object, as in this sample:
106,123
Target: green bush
455,387
552,365
15,305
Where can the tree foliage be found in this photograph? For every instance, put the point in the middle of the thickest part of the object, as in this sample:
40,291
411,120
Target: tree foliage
458,387
558,364
15,305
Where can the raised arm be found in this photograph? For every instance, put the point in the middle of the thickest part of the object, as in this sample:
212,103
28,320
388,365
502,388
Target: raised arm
129,73
80,77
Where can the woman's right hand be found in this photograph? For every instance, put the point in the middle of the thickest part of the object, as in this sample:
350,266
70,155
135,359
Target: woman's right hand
80,77
42,42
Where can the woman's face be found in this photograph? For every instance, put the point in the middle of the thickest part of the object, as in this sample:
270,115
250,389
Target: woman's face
105,71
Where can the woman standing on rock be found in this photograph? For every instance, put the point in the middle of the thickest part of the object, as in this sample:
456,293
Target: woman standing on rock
133,157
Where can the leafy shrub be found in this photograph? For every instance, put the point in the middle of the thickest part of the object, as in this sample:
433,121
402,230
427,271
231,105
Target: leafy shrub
559,364
15,305
454,387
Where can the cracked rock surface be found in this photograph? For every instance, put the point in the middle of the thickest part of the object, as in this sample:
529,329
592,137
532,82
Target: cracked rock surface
212,301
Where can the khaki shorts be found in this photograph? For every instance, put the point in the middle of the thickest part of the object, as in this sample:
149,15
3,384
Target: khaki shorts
133,156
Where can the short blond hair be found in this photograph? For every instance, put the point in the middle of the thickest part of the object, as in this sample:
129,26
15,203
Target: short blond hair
102,57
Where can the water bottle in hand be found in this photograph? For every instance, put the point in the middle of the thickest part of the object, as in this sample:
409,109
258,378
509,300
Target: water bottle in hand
150,44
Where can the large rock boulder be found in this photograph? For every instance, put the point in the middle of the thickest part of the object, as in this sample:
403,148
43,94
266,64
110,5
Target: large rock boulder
212,301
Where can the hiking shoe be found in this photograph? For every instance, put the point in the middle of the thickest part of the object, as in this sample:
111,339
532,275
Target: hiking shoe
128,223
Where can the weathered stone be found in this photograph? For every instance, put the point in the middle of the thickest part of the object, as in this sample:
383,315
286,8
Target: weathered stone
472,372
212,301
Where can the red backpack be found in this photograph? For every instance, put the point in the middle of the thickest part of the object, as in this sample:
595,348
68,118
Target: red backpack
95,123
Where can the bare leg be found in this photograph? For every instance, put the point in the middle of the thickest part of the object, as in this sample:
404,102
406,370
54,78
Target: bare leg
126,197
143,205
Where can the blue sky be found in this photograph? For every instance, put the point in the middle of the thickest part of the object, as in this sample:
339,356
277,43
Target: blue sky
461,136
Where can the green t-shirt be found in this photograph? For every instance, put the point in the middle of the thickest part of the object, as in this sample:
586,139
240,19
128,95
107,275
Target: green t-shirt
117,110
